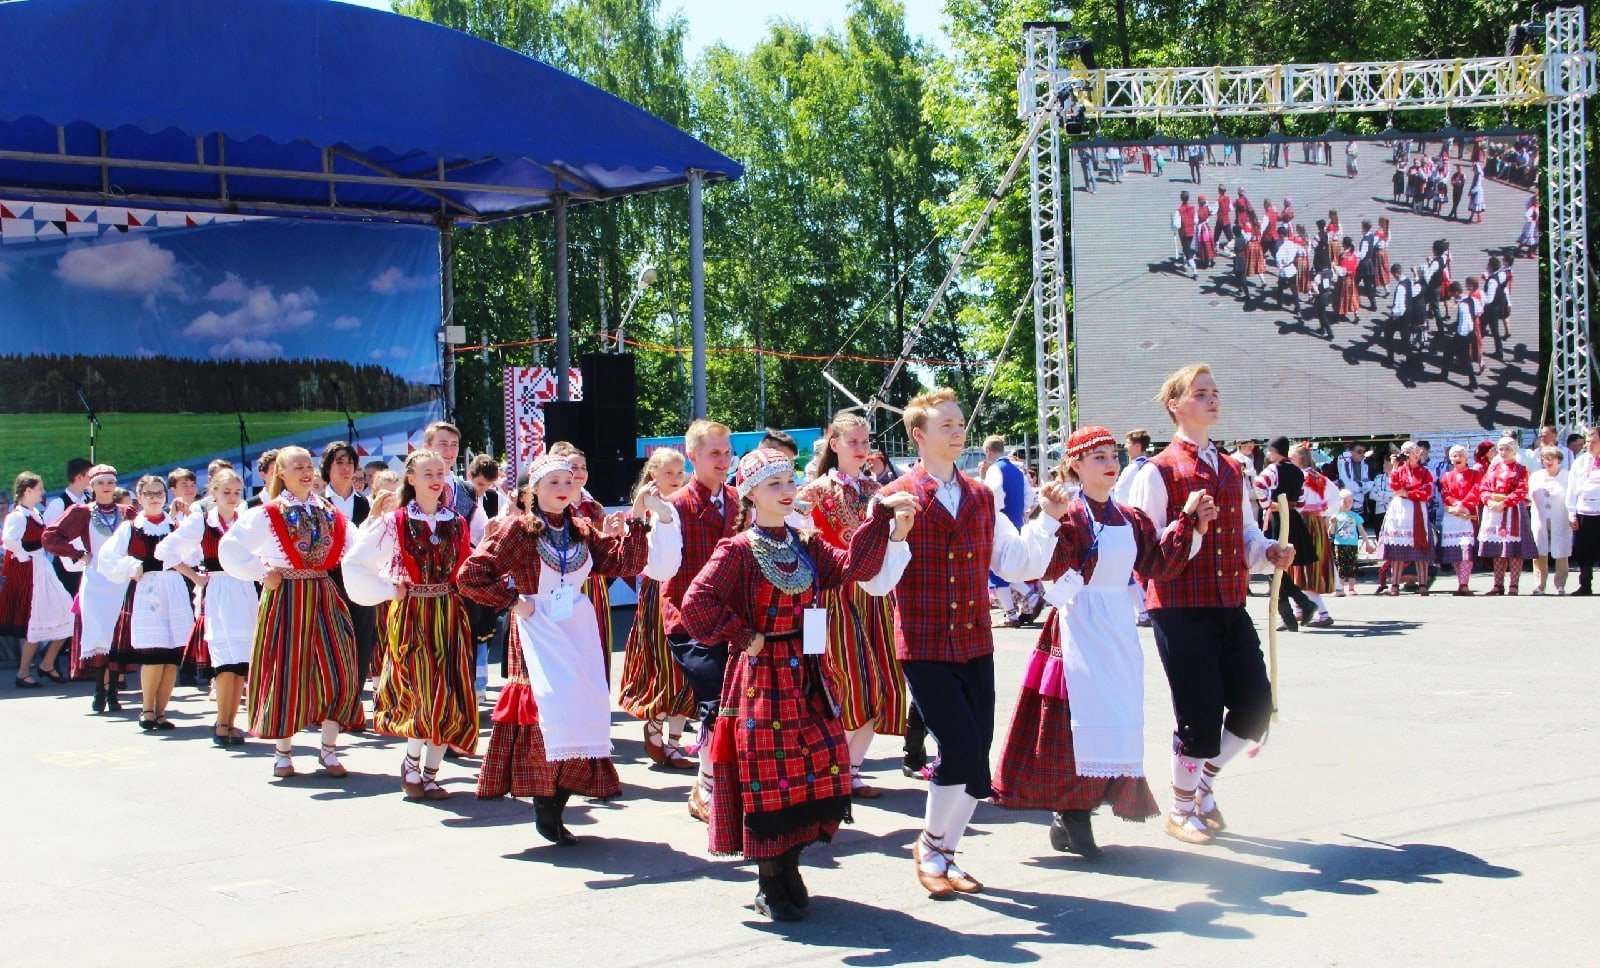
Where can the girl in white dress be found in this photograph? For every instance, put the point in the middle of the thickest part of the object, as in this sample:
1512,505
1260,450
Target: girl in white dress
227,605
76,538
1552,531
156,618
34,606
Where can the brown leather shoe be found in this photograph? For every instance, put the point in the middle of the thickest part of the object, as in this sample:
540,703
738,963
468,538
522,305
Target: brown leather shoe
653,746
938,886
697,805
963,882
431,789
1213,819
866,791
282,766
1187,833
329,759
411,767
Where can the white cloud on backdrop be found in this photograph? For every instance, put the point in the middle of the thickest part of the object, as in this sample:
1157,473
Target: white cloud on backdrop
394,279
137,267
258,313
346,322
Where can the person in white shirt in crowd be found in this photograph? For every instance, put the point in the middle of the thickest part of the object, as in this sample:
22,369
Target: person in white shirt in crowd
1137,443
1533,457
1012,495
77,492
1583,510
1552,532
1355,476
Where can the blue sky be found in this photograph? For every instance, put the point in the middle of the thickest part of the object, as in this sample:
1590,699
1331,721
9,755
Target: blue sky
741,23
261,289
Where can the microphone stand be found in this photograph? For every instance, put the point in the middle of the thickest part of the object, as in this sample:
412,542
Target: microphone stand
349,424
94,421
244,435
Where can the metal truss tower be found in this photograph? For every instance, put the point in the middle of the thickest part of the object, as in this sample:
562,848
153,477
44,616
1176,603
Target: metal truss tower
1560,79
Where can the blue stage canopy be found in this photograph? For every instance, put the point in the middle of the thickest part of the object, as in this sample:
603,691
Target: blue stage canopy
309,108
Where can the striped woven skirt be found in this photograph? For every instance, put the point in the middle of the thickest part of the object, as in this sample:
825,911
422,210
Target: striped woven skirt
861,664
652,684
303,667
1037,769
1320,577
426,688
598,589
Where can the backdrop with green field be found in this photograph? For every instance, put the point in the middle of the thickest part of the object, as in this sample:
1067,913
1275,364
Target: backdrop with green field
44,442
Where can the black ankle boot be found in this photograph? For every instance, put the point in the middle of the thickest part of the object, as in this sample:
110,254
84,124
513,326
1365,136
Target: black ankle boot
99,696
792,884
772,899
547,819
1071,832
113,704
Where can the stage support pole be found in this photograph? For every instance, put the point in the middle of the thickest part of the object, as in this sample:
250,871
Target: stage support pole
697,286
447,313
563,320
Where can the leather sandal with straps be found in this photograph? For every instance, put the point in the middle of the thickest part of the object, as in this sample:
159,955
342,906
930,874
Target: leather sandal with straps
861,788
411,767
655,745
328,756
937,884
282,765
430,785
678,758
960,881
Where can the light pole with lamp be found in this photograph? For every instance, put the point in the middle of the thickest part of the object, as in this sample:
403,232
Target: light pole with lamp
645,277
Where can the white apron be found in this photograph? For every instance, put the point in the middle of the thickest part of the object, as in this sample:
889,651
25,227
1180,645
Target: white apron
1104,665
566,670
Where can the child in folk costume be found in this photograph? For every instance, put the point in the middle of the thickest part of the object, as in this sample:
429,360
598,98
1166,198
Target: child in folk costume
303,665
228,606
1319,502
1406,538
653,688
35,607
1283,476
1506,530
1348,532
1458,525
941,629
1077,736
153,628
409,557
860,663
780,758
560,744
75,539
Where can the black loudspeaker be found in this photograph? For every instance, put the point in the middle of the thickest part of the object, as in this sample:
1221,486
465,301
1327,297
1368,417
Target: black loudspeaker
611,404
611,478
564,421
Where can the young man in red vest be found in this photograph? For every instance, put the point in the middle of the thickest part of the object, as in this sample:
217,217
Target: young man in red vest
941,621
707,508
1220,693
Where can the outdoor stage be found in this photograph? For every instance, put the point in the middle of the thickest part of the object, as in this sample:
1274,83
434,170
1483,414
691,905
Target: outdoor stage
1427,799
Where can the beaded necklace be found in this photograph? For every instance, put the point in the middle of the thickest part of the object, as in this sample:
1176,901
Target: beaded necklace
783,562
564,555
105,519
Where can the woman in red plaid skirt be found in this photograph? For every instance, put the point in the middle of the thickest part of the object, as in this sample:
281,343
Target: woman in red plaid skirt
779,757
1077,737
552,733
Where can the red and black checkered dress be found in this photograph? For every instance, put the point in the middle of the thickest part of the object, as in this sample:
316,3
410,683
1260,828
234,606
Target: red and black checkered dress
780,763
515,761
1037,770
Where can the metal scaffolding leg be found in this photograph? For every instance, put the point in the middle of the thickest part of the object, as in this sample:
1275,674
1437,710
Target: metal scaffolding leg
1047,200
1571,361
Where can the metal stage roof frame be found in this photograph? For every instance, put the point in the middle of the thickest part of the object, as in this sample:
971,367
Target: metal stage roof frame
1560,79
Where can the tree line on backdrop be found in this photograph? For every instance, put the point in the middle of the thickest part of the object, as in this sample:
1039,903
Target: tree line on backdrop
868,154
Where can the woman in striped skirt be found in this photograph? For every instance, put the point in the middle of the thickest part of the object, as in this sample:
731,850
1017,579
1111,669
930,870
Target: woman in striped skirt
1319,502
409,557
552,733
860,663
229,606
653,688
303,666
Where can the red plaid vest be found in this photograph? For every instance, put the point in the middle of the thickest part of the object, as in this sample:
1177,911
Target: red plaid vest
1217,576
702,527
942,602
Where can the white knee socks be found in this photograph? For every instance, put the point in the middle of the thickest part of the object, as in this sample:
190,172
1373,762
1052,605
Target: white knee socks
950,809
1006,600
414,749
435,756
330,732
1231,746
1185,780
859,740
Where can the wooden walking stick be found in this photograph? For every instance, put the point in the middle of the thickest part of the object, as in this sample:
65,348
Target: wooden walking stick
1272,603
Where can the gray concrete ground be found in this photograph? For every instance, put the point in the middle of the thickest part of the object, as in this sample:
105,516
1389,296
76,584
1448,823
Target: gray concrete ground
1428,797
1138,318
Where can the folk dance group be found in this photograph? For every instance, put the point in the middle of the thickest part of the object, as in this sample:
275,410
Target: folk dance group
792,636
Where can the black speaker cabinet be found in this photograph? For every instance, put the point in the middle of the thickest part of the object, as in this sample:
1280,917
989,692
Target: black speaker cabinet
611,405
565,421
611,478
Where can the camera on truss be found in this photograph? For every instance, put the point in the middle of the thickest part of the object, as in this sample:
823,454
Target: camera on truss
1526,34
1072,94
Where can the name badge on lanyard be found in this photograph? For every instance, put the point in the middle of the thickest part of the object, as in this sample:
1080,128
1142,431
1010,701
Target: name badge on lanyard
816,632
559,607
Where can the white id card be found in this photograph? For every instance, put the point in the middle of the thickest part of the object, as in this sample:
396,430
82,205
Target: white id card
560,607
816,632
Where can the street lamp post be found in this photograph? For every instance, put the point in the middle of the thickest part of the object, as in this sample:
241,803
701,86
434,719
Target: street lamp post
646,276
